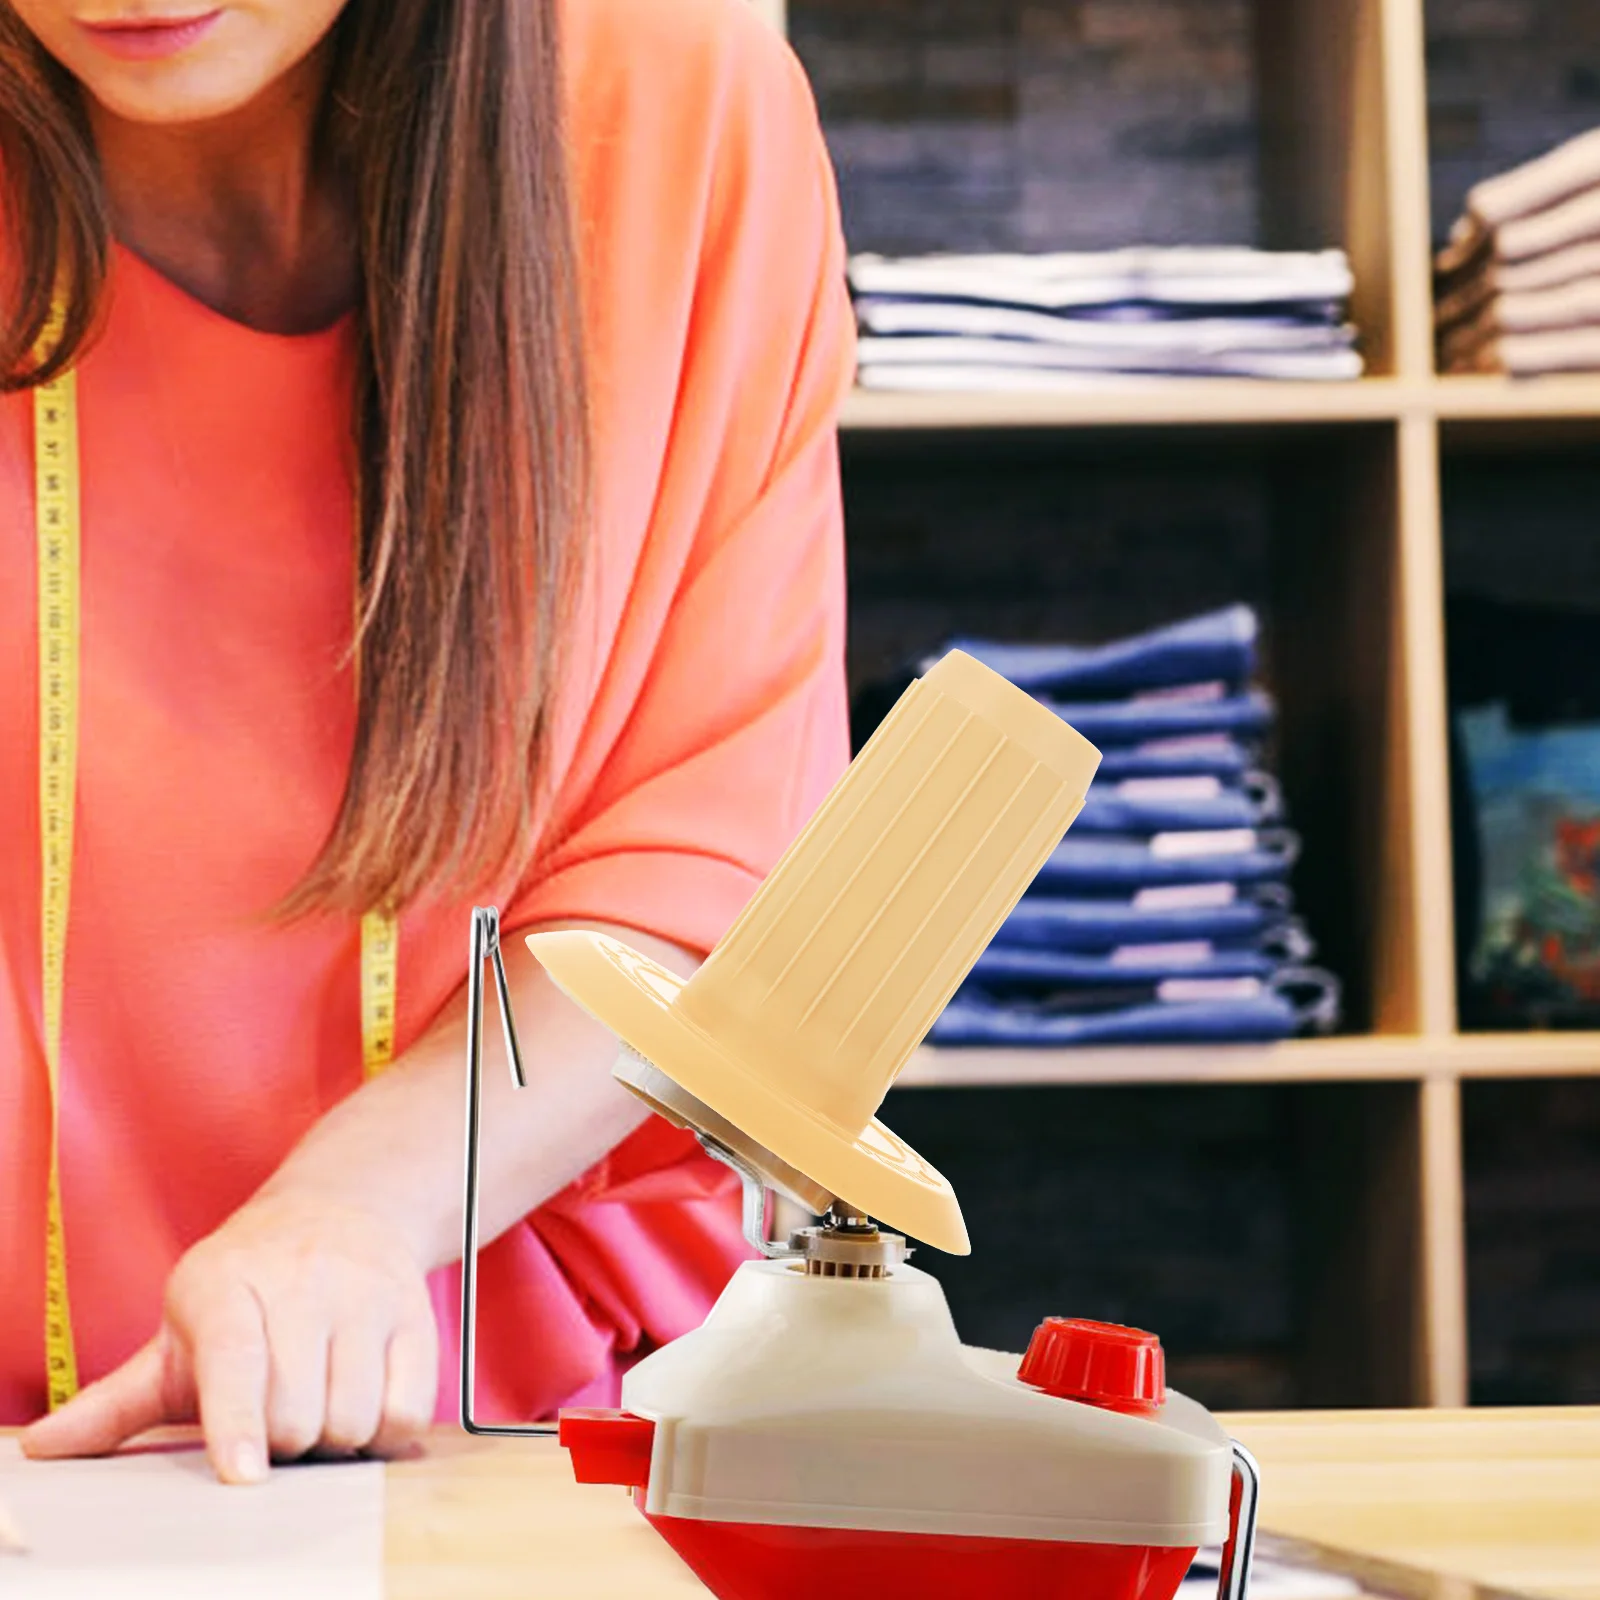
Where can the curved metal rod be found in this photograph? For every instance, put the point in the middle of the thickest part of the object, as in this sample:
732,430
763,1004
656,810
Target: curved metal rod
484,946
1233,1580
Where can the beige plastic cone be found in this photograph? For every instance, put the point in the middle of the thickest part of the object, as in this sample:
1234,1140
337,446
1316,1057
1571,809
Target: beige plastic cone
802,1016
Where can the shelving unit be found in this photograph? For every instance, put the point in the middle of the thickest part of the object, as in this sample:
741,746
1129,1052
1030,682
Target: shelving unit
1341,108
1357,1058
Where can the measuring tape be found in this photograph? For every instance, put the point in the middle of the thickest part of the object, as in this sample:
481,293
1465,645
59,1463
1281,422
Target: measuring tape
380,958
57,514
55,460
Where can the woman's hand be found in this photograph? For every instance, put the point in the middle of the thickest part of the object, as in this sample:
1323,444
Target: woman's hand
302,1324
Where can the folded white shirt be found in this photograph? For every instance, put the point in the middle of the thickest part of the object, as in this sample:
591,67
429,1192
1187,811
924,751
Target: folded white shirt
1176,275
972,379
1197,334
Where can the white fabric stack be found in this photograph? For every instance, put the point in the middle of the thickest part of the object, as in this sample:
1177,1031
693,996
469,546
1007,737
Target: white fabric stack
1517,287
1066,320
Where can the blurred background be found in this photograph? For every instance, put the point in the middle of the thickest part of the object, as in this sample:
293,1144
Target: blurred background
1277,324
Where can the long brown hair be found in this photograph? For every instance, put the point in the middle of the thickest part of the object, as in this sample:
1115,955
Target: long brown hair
469,425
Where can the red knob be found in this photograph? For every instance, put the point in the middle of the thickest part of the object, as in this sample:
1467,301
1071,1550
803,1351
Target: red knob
1100,1363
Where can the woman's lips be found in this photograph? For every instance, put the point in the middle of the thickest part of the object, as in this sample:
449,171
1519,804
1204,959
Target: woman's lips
150,38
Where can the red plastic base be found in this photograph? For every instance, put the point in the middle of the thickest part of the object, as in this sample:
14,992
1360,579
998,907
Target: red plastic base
753,1561
756,1561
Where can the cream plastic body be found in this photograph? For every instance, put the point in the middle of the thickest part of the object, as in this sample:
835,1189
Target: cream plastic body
848,1403
808,1008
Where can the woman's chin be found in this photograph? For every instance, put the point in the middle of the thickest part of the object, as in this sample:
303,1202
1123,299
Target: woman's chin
176,93
170,108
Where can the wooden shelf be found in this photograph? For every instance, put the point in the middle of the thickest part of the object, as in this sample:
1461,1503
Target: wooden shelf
1356,1059
1494,398
1205,402
1175,401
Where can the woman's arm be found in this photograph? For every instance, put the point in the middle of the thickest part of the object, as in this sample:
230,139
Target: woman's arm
304,1321
381,1148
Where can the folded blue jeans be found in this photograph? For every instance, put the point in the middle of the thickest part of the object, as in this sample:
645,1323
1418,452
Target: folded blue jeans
1138,805
970,1021
1222,911
1216,645
1209,755
1122,722
1112,864
1005,969
1295,1001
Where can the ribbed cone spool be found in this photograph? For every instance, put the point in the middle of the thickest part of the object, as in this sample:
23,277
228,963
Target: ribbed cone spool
795,1027
848,952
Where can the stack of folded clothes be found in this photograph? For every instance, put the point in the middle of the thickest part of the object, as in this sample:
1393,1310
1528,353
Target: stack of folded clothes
1165,914
1517,287
1059,321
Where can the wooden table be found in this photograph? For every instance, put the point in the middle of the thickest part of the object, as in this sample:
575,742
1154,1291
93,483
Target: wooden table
1506,1497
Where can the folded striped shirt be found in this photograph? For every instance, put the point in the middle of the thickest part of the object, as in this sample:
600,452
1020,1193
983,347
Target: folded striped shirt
963,363
1573,221
1199,335
1495,206
1529,355
1568,308
1463,295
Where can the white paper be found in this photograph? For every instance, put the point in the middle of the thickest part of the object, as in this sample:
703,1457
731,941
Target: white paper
156,1525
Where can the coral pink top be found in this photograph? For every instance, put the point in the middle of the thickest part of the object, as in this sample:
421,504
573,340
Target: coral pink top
702,720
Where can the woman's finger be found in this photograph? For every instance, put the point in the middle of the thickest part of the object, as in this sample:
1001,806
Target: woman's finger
411,1383
229,1340
297,1335
107,1413
355,1385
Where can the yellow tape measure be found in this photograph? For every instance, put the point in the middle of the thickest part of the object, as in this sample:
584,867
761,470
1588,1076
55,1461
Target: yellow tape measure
380,959
55,456
56,513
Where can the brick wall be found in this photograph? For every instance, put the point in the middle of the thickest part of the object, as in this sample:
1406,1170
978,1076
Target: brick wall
1533,1241
1016,124
1061,525
1506,80
1005,124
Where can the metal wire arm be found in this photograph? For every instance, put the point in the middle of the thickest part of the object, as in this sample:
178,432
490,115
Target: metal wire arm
485,947
1233,1580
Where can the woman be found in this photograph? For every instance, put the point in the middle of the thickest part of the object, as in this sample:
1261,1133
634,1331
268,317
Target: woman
505,340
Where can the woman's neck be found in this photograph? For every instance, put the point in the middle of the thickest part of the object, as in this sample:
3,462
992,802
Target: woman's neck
239,212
